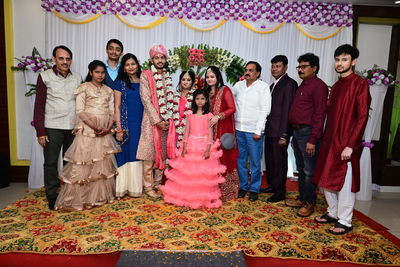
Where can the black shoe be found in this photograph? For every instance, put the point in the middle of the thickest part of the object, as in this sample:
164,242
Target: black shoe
267,190
242,193
276,198
253,196
52,203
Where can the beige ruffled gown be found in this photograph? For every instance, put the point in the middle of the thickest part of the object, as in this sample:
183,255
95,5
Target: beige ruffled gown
89,174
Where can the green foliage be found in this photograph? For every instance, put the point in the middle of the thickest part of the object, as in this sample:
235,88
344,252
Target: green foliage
31,91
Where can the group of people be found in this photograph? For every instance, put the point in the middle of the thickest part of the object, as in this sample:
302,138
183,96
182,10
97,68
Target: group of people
131,124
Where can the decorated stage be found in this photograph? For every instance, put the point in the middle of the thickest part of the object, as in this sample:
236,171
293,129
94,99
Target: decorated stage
259,229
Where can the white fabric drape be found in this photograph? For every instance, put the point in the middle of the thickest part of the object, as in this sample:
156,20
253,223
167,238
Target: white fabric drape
35,176
202,24
138,21
87,41
261,26
77,18
378,93
319,32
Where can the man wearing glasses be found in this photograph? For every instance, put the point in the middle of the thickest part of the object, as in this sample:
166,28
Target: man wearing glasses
307,116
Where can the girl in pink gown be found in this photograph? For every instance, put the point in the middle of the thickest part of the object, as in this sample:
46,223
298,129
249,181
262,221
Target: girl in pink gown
196,172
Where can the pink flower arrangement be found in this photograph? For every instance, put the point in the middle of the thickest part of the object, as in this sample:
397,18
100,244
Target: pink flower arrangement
196,57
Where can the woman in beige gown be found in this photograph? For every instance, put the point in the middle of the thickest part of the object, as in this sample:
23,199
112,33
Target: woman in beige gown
88,177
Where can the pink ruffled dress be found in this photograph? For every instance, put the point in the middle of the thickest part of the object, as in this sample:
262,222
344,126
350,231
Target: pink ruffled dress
193,181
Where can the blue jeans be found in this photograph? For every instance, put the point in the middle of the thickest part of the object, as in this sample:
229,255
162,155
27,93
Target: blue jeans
305,164
249,147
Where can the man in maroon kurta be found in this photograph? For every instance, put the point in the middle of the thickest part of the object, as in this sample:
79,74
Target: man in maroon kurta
338,165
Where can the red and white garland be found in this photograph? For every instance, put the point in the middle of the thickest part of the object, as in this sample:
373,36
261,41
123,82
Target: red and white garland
165,95
180,126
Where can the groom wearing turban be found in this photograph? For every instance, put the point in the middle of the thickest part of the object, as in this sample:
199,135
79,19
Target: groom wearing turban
156,93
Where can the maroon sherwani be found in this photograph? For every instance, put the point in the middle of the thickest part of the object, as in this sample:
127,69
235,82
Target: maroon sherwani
347,116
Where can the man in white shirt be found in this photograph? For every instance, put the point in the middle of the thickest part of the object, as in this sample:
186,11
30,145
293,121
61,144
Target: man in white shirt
253,104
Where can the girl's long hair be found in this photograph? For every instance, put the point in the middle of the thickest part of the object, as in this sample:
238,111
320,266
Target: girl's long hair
92,66
206,107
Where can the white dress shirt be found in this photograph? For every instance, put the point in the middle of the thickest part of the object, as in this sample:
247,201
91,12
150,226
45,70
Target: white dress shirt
253,104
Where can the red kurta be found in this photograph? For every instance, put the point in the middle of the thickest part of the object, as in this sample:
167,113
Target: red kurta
347,116
226,108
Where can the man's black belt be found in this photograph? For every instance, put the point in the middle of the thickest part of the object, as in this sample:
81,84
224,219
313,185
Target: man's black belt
299,126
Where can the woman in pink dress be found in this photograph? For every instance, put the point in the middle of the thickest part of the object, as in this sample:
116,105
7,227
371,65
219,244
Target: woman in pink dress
196,172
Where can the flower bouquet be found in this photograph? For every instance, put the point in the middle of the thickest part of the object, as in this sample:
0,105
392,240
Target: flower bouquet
378,76
34,62
197,59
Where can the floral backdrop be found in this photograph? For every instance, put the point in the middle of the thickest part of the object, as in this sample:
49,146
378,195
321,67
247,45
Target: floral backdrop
318,13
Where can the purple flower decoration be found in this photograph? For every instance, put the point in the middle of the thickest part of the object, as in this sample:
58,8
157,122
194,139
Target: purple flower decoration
313,13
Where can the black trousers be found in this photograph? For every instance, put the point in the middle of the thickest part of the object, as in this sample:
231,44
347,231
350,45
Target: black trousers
57,139
276,164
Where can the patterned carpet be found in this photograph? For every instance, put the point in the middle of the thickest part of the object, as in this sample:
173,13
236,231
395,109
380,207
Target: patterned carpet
258,228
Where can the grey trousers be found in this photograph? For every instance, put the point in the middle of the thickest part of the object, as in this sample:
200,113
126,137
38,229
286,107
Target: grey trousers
57,139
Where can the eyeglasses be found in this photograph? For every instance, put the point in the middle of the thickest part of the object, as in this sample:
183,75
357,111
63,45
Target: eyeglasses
302,67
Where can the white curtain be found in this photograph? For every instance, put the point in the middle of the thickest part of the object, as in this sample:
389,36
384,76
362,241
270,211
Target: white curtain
378,93
35,176
247,40
87,41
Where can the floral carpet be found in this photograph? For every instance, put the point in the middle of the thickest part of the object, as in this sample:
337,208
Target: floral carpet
258,228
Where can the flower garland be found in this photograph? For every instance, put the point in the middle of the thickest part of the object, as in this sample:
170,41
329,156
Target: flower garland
165,95
181,125
303,12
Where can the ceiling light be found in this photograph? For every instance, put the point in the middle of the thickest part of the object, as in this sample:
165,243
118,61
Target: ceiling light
397,2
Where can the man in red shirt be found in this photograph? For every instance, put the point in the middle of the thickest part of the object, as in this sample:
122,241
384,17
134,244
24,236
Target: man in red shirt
307,116
338,166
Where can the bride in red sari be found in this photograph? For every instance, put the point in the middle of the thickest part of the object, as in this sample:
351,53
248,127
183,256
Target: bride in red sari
223,109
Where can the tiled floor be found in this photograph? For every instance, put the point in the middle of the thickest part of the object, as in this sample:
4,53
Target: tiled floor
384,208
